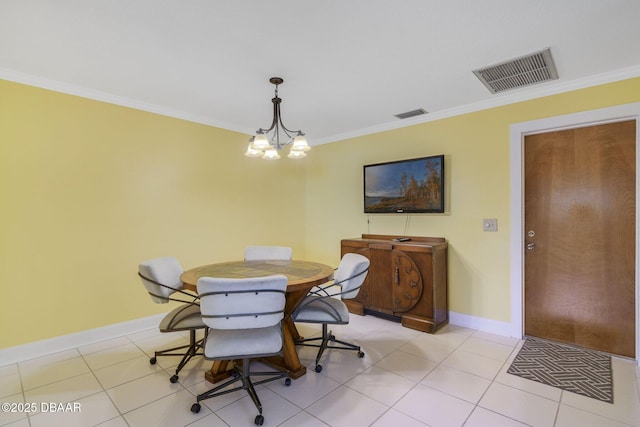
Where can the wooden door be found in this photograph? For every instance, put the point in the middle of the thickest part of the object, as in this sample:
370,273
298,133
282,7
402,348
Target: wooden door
407,282
378,281
580,236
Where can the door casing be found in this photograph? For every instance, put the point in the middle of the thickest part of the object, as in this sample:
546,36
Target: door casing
517,133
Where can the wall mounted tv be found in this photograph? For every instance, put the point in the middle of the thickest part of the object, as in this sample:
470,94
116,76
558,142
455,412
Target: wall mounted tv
405,186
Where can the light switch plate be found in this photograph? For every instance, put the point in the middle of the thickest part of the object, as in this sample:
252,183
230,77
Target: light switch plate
490,224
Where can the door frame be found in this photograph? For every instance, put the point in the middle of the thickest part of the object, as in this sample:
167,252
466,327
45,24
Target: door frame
517,132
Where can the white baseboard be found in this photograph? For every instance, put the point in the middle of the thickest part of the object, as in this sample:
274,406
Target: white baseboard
53,345
481,324
65,342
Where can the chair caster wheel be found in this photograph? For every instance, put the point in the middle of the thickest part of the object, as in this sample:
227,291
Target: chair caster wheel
195,408
360,354
287,382
153,360
259,420
318,368
174,379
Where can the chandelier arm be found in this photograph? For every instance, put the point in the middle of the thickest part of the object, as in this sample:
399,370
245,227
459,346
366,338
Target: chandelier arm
289,131
271,143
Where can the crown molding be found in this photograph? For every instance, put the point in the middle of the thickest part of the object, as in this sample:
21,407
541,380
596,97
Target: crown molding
497,100
83,92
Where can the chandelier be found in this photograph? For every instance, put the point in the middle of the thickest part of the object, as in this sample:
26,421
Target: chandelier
267,142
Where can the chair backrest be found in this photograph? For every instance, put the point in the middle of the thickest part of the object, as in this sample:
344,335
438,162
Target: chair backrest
351,273
255,302
255,253
161,271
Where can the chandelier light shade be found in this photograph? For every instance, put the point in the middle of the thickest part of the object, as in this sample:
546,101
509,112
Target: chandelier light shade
268,142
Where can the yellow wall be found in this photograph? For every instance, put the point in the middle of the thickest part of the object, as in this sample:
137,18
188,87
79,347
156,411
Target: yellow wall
89,189
476,149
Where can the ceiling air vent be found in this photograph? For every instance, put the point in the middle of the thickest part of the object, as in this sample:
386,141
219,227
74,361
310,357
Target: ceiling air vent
520,72
411,113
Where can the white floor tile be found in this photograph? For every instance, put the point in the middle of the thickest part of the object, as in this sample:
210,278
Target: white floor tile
93,410
529,386
113,355
303,419
192,373
211,420
434,408
451,339
460,384
114,422
275,410
520,405
456,377
573,417
68,390
498,339
11,412
127,371
103,345
38,373
407,365
393,418
341,366
218,402
626,406
345,407
142,335
428,347
159,342
305,390
24,422
481,417
472,363
139,392
48,359
169,411
10,380
381,385
488,349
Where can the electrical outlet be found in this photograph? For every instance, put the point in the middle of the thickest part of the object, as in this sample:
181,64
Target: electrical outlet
490,224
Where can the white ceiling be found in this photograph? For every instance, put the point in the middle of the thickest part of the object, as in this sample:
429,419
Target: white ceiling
348,65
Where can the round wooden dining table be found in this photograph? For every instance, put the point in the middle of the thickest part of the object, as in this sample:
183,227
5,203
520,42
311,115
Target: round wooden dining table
301,275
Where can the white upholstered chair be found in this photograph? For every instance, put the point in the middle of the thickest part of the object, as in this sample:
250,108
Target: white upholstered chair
324,305
256,253
244,317
161,279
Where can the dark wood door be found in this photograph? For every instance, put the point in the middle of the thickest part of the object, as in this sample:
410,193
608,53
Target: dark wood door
407,282
580,236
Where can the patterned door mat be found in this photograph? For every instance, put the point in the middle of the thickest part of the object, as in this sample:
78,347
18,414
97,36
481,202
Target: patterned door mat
570,368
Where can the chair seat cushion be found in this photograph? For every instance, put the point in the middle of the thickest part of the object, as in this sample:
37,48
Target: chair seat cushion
241,343
181,318
322,310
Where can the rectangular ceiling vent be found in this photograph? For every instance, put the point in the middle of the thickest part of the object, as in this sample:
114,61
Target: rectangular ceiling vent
520,72
411,113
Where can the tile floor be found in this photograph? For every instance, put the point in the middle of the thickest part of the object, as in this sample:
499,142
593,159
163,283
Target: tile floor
456,377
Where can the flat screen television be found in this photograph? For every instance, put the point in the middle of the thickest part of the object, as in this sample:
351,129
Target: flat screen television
405,186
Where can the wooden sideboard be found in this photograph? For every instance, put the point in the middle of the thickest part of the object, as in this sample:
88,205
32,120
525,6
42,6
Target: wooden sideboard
407,280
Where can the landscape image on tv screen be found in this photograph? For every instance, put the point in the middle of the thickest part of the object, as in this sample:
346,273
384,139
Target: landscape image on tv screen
405,186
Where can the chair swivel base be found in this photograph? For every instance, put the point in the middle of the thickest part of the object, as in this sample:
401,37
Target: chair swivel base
327,339
194,348
244,376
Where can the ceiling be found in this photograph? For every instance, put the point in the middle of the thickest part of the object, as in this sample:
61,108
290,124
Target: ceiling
348,65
